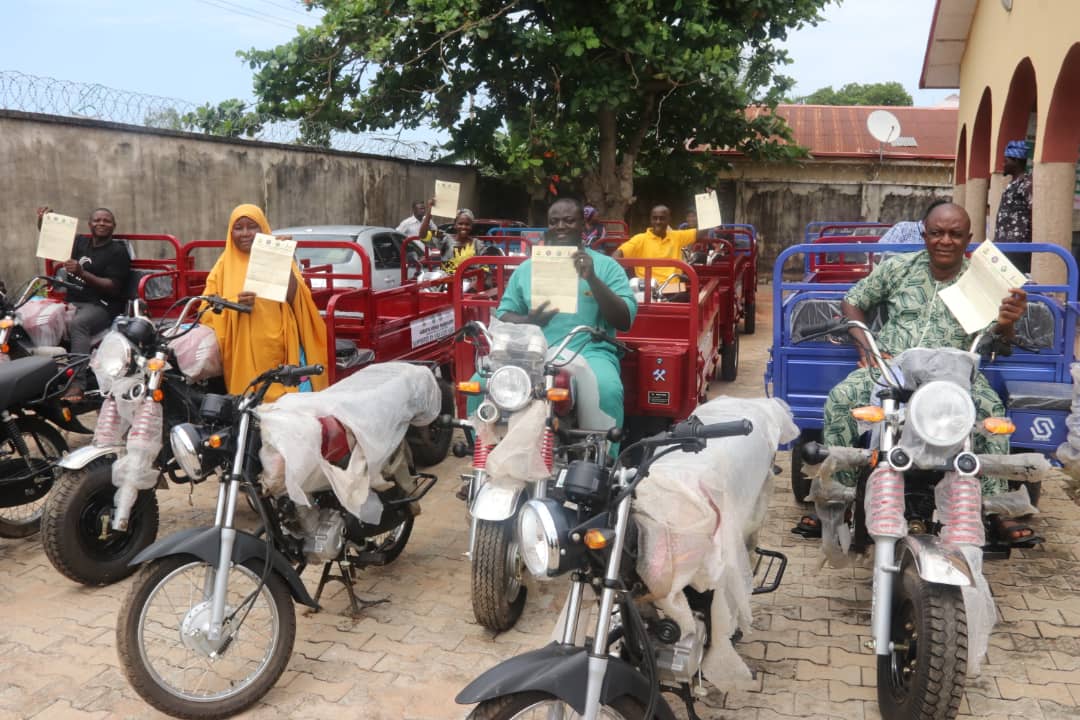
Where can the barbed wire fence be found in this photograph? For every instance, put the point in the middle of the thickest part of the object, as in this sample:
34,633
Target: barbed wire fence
50,96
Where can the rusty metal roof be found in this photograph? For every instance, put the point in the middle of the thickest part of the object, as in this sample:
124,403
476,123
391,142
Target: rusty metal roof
839,131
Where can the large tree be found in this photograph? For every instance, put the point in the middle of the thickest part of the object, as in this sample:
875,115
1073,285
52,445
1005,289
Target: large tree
588,90
883,93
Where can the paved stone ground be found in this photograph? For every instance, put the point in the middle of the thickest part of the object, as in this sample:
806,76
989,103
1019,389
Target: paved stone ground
407,658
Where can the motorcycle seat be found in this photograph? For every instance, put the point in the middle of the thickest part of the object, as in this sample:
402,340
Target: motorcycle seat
24,379
1035,328
348,355
1025,394
815,313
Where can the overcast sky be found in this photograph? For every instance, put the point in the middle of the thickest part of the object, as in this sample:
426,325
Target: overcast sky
187,48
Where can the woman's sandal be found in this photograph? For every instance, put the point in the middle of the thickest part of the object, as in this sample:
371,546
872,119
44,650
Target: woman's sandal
1013,533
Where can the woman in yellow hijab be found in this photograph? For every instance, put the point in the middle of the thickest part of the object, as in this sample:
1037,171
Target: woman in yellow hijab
273,333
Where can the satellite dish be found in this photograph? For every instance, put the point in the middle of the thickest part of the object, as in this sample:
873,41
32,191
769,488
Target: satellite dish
883,126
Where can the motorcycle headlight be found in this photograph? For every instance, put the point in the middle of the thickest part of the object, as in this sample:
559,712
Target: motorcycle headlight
543,538
113,359
510,387
186,441
941,413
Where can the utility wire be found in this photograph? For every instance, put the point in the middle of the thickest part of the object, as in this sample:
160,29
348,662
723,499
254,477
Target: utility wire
292,8
246,12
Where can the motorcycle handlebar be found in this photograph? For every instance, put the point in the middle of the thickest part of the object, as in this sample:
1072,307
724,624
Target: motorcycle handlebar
301,371
219,303
694,429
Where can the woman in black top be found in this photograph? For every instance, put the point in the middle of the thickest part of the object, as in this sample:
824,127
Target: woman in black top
102,265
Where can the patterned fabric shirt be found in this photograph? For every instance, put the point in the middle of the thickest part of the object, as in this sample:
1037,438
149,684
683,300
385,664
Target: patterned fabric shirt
1014,219
1014,214
917,316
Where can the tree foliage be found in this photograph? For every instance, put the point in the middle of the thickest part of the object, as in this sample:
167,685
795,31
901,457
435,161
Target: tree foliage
229,118
592,91
884,93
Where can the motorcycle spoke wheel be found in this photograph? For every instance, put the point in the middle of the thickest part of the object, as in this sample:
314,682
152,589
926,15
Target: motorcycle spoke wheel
498,590
167,655
45,446
542,706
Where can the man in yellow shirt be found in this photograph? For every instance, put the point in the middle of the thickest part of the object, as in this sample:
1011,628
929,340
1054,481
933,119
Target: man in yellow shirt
659,241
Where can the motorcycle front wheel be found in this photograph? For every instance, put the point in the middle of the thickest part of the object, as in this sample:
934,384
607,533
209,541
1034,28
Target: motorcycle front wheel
498,572
174,666
541,706
22,502
923,677
76,526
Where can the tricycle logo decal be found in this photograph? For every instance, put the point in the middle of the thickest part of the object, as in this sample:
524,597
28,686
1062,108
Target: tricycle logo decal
431,328
1042,428
659,375
659,398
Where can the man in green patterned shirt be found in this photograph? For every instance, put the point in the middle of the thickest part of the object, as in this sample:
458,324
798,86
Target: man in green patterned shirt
909,287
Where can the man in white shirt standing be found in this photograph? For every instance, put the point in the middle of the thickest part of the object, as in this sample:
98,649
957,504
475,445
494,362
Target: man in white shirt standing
421,218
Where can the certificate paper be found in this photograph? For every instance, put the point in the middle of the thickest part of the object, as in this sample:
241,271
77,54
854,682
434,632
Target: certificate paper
57,236
269,267
708,210
446,199
975,298
554,278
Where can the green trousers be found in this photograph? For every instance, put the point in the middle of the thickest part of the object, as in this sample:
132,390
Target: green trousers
858,388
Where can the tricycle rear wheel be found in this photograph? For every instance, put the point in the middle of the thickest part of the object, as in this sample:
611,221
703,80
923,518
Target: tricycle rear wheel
430,444
729,360
749,318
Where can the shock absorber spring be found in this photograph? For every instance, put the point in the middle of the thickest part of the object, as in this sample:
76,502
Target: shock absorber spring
547,449
480,454
959,506
885,503
15,434
108,431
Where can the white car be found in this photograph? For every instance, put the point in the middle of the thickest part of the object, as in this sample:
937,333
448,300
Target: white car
382,245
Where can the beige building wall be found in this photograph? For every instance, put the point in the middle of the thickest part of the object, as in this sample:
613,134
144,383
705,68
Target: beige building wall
1043,30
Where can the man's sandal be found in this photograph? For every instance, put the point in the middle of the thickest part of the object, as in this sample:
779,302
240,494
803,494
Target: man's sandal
809,526
1013,533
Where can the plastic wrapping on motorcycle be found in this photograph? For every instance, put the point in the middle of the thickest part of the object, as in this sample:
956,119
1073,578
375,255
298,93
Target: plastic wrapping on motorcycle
516,459
917,367
1068,452
45,321
698,516
197,353
376,405
135,471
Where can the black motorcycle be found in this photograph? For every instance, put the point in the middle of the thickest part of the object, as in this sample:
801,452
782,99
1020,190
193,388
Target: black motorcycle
91,529
208,625
584,528
30,446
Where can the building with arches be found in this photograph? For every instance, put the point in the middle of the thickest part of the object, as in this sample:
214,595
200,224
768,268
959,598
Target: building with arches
1017,66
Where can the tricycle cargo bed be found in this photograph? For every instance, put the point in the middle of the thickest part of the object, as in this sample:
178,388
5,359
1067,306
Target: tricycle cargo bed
804,372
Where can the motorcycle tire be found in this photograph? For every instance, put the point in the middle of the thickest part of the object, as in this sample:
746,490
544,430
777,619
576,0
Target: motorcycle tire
518,705
46,445
749,318
149,682
800,481
929,621
729,360
72,523
392,543
498,588
431,444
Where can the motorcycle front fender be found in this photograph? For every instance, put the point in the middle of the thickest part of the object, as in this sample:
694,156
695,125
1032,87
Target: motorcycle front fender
562,671
205,542
935,562
80,458
494,503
